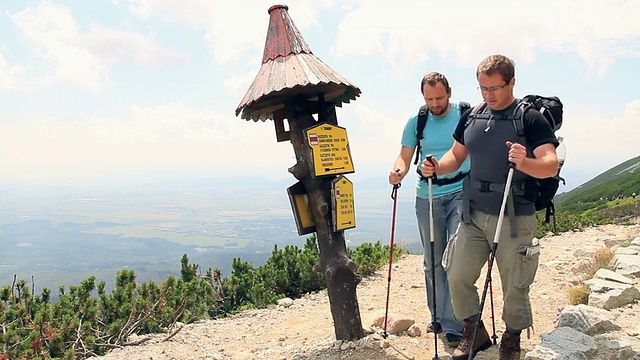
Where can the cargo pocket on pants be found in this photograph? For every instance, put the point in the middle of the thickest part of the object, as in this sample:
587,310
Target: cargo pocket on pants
526,267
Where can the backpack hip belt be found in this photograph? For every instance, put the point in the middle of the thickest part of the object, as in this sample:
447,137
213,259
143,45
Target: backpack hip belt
443,181
517,188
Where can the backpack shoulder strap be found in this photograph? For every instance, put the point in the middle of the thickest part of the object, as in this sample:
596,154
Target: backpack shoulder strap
423,113
476,113
518,115
464,106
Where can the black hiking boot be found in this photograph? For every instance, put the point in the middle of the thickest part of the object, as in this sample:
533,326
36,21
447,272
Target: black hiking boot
483,342
510,347
434,327
452,340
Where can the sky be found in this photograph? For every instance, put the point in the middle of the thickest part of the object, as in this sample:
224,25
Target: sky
140,88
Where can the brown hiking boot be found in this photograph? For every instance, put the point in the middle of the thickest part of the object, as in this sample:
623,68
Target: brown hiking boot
483,342
510,347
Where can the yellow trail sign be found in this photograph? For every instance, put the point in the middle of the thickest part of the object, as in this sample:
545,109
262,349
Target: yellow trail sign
344,214
330,147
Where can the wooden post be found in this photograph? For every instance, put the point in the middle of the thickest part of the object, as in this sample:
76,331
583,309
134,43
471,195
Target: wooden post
294,84
335,264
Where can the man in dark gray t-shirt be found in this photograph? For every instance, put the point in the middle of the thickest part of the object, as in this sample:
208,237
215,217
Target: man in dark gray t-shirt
488,136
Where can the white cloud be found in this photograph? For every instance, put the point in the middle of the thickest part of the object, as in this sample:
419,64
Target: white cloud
231,27
10,75
374,136
406,33
161,138
594,143
597,143
177,133
83,57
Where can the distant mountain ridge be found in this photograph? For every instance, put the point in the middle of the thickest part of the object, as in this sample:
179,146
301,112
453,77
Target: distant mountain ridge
631,166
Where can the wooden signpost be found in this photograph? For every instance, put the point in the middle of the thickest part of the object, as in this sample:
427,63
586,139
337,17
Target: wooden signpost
296,86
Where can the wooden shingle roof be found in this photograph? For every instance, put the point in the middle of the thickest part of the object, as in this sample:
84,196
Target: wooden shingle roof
289,69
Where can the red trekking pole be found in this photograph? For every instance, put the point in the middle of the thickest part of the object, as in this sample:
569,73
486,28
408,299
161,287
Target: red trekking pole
394,196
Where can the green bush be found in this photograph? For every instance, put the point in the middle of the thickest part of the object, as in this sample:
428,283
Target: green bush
88,321
565,221
370,257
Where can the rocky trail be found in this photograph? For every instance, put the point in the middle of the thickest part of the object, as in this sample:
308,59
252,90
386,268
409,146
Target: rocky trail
303,329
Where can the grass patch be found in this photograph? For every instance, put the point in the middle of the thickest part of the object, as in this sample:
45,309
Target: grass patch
579,295
601,260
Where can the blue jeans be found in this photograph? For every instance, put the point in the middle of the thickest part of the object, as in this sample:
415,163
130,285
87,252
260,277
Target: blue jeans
446,219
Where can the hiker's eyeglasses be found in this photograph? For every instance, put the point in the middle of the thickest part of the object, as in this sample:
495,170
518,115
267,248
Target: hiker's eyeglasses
493,88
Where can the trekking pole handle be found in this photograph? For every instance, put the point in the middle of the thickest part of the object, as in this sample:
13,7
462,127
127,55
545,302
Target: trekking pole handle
394,191
429,158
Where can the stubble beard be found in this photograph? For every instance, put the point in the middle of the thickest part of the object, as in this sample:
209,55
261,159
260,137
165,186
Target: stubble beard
442,110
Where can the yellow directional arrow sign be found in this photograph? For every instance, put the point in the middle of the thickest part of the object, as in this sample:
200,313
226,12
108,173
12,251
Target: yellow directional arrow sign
330,147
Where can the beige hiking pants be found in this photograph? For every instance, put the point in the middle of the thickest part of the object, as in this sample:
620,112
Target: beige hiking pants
517,270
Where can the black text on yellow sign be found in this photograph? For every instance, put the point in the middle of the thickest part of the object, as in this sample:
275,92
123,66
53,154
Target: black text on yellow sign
344,214
330,148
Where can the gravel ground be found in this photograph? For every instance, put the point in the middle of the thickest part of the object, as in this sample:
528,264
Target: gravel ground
305,329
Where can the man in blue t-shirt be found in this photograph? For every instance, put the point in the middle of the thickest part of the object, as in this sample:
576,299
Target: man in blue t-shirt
442,118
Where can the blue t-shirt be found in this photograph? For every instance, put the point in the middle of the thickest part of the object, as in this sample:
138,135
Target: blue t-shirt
437,140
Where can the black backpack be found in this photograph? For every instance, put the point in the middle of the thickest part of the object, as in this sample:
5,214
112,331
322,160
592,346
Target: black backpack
423,114
551,108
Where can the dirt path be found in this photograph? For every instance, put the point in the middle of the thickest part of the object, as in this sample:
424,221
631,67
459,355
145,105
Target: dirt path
305,330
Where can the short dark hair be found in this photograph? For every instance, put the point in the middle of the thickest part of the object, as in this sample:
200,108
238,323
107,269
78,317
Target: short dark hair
497,64
433,78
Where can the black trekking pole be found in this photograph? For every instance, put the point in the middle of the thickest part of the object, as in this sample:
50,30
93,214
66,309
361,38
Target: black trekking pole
433,262
492,255
494,337
394,196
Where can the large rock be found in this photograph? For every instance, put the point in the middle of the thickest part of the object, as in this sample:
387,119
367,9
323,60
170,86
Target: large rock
606,274
628,250
618,346
396,323
564,343
611,294
627,264
587,319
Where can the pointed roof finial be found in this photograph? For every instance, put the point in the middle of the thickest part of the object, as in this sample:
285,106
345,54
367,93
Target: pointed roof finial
288,69
285,38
